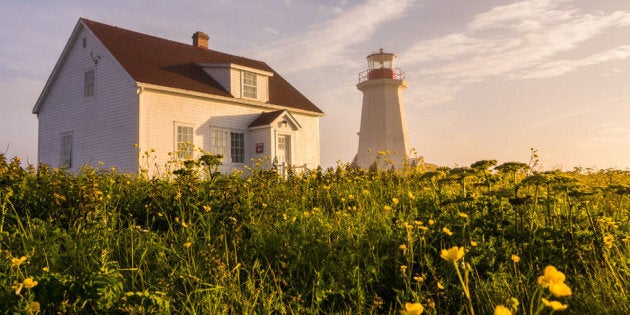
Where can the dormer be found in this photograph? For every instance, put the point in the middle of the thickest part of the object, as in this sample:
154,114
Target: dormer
240,81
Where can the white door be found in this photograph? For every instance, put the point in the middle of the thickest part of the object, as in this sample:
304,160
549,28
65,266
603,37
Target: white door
283,150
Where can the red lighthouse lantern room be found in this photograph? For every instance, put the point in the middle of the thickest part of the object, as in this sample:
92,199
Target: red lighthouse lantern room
381,65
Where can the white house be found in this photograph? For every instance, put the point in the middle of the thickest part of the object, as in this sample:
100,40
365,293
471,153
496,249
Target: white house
115,93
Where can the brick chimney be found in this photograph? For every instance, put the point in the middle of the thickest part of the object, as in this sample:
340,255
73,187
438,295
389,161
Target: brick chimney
200,39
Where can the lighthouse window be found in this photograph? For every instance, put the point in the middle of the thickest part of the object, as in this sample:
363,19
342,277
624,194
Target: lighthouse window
250,86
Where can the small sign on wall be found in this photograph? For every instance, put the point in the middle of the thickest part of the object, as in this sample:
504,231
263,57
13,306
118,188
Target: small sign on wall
260,147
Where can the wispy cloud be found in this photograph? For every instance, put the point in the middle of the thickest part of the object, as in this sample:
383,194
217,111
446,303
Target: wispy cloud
560,67
515,41
326,43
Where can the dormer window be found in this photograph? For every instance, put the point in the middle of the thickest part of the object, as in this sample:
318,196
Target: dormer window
240,81
250,86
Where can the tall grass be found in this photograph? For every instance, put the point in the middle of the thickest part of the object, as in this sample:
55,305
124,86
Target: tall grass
342,240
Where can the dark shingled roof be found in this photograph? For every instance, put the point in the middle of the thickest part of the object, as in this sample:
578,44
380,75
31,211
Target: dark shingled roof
158,61
266,118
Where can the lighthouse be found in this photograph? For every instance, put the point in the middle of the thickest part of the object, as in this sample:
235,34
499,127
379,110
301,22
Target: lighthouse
383,132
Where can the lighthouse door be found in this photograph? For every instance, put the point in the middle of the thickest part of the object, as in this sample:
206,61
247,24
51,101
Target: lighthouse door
283,150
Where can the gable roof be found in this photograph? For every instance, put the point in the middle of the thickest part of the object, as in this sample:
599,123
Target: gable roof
153,60
265,119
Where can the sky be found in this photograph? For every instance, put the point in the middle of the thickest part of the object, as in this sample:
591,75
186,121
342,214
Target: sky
488,79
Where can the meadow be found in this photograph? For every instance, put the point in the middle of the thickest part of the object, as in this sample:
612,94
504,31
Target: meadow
483,239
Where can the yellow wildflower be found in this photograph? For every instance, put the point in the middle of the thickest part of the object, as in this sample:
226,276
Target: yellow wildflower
387,208
502,310
395,201
33,307
207,208
29,283
559,289
403,268
453,254
184,224
608,240
411,196
440,286
463,215
417,221
403,247
187,244
46,269
447,231
551,275
555,305
515,258
431,222
412,309
17,261
418,278
473,243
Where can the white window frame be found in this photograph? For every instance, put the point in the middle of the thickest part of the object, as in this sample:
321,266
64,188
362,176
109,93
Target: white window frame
250,85
219,142
235,155
65,151
183,148
89,83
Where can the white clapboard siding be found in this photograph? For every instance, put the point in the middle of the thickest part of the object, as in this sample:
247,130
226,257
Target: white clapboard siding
104,126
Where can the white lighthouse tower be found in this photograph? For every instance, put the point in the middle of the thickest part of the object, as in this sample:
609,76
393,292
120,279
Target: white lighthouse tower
383,120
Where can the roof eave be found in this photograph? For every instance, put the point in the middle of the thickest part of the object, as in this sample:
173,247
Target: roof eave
227,99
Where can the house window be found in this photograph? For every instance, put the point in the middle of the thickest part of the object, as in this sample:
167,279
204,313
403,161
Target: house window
84,42
88,83
65,158
184,142
237,147
219,142
250,87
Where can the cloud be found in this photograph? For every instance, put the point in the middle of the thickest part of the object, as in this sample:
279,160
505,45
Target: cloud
560,67
610,130
517,41
326,43
270,31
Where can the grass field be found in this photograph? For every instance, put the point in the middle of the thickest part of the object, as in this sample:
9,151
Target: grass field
467,240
